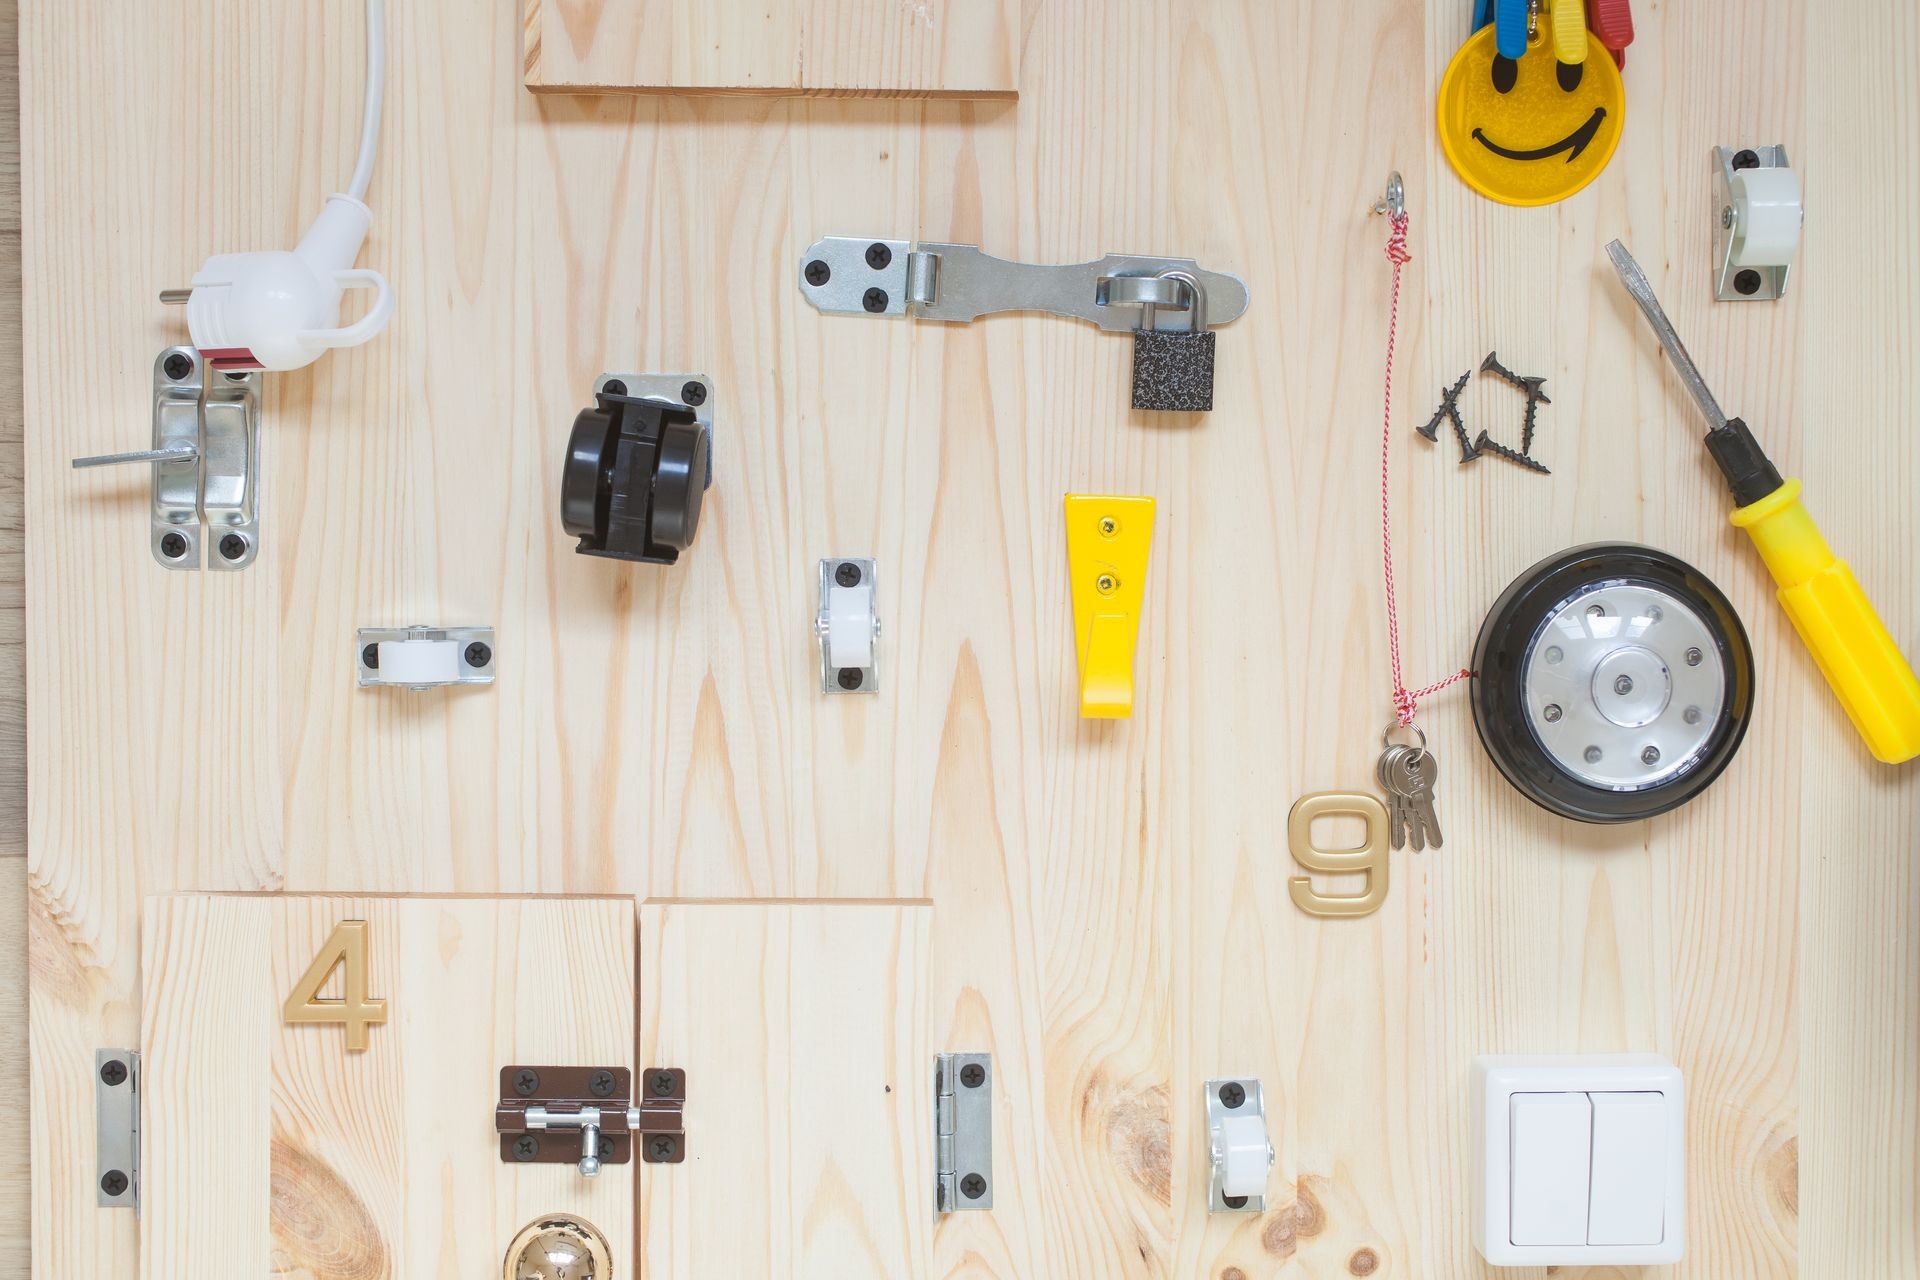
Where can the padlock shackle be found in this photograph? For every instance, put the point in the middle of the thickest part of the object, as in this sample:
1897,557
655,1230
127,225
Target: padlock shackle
1196,306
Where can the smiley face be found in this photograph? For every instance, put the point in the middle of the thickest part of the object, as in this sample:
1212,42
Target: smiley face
1534,131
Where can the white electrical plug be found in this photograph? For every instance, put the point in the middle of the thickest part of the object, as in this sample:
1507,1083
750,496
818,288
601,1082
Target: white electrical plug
276,309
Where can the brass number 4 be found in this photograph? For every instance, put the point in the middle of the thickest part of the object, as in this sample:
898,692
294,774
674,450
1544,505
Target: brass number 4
1370,859
346,945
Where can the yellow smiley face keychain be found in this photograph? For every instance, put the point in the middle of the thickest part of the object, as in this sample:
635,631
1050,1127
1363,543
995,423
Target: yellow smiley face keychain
1534,129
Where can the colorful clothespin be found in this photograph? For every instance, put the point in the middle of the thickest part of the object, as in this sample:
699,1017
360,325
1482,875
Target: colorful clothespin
1612,24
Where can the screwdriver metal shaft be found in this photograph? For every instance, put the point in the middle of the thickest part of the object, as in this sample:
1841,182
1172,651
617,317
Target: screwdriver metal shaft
1636,281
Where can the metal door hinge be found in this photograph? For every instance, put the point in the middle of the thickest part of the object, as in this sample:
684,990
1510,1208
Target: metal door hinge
116,1109
963,1131
596,1103
206,463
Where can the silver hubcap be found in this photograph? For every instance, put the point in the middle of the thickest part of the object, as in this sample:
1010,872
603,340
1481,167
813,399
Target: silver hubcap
1624,685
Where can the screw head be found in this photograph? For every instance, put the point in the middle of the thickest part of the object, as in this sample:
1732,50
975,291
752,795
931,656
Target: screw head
1650,756
525,1147
177,366
600,1083
114,1183
1551,713
370,657
1694,657
172,546
693,394
1105,584
478,654
973,1186
661,1147
1592,755
879,257
848,574
1691,715
1596,611
1109,526
1623,685
1232,1094
604,1148
233,546
1746,282
613,387
662,1084
874,300
973,1075
818,273
849,678
1746,159
1726,217
1553,654
1234,1202
113,1072
526,1082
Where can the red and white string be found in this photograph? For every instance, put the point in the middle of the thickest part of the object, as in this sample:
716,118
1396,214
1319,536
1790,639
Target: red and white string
1406,701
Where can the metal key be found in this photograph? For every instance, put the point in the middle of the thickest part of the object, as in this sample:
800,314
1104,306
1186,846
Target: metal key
1398,816
1411,776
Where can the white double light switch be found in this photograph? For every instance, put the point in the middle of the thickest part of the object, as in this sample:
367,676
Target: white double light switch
1581,1160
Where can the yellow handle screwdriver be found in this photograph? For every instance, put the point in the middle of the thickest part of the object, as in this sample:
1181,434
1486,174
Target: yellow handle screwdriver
1835,619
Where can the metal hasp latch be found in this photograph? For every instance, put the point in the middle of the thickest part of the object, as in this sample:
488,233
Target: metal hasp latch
205,458
1757,212
116,1110
423,657
1238,1149
963,1131
848,625
588,1116
638,464
1168,303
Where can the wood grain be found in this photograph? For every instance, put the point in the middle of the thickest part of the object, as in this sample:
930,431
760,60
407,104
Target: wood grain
267,1149
879,48
803,1031
1110,902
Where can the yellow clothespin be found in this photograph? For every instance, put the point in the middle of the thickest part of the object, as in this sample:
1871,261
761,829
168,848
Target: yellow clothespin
1107,542
1569,27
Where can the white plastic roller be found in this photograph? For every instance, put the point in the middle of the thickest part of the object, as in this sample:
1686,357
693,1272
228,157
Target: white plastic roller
1246,1157
419,662
1766,217
850,626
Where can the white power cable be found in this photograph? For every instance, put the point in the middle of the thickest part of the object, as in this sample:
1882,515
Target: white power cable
376,89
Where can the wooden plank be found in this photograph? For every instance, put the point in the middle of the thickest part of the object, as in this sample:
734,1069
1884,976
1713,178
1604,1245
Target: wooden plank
15,1182
268,1149
880,48
803,1030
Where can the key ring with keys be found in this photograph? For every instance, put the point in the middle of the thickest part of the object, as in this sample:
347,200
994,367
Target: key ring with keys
1419,749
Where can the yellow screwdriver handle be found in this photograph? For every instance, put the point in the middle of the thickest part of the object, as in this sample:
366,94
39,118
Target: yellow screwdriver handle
1837,623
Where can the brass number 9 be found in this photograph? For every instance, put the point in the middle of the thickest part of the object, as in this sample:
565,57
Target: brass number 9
1370,859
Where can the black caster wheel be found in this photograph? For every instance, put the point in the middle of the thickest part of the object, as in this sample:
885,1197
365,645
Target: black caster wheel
636,471
1611,683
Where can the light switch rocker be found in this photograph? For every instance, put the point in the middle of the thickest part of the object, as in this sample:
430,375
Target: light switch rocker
1168,304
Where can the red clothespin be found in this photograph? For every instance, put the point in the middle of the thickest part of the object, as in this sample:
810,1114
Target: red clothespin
1612,24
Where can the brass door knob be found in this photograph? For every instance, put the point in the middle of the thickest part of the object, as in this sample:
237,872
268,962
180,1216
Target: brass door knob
558,1248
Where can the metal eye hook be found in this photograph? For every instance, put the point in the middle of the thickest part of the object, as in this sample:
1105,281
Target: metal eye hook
1395,203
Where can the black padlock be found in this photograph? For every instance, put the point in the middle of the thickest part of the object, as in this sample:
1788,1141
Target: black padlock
636,470
1172,371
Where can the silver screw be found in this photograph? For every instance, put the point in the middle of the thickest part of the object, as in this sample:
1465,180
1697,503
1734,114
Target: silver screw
1593,755
1552,713
1691,715
1623,685
1650,756
1693,657
1553,653
1596,611
1654,614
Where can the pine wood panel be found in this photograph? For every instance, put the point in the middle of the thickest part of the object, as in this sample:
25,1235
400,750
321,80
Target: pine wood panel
1113,919
267,1149
803,1030
916,49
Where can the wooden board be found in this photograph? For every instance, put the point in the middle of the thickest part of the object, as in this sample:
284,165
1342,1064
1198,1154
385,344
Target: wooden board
879,48
803,1029
1113,916
268,1149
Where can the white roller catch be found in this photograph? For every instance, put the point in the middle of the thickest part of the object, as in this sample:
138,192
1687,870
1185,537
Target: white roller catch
1247,1158
410,662
850,626
1767,215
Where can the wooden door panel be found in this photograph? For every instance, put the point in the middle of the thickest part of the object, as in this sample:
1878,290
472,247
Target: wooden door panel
803,1027
268,1149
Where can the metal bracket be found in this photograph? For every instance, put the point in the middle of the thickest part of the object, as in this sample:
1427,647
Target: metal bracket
206,463
848,625
963,1131
1757,223
598,1104
423,657
957,282
1239,1152
116,1109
